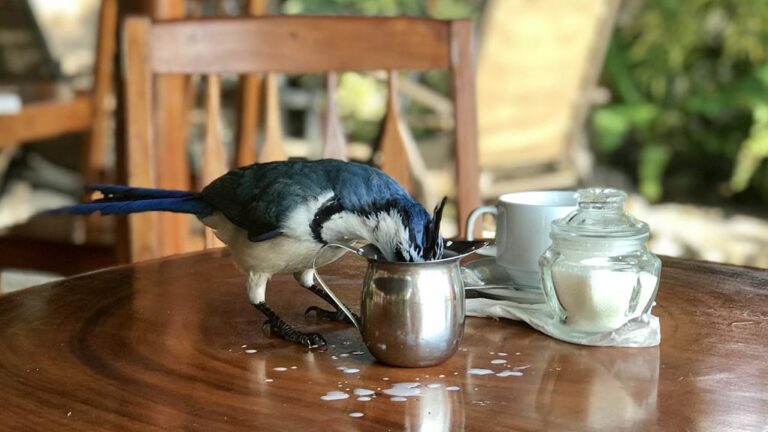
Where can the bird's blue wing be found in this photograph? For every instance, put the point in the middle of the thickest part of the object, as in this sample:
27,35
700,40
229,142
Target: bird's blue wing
259,197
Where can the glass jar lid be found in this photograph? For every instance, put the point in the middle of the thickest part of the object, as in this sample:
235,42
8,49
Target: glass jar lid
600,215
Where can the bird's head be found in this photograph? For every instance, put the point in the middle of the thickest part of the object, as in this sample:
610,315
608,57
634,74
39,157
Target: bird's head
406,232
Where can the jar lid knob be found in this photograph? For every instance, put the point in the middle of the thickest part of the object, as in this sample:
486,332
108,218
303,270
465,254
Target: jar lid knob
601,198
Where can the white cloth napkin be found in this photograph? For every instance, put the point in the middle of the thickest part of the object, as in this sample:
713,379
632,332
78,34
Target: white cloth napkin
643,331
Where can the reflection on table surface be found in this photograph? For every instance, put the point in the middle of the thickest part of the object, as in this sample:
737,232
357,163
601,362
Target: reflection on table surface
174,344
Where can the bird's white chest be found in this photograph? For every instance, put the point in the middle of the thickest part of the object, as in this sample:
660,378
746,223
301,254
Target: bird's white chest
282,254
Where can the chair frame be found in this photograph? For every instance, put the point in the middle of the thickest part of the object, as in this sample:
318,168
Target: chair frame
212,46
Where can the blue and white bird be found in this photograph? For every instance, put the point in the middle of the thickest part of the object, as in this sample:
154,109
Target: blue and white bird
275,217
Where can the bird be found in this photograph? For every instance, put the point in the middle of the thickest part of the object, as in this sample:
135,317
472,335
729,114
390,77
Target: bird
276,217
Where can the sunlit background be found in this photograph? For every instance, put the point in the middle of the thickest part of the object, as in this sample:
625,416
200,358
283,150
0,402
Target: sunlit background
666,99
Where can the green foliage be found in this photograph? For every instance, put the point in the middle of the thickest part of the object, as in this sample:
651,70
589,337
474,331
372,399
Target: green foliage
443,9
689,80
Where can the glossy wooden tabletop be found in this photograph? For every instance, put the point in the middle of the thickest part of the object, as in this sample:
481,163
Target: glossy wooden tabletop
174,344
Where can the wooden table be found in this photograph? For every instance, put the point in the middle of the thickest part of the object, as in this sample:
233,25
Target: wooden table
167,345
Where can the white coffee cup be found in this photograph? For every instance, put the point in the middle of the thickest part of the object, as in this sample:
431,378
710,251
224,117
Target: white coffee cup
523,221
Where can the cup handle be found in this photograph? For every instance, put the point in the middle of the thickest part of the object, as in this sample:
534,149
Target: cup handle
327,289
476,213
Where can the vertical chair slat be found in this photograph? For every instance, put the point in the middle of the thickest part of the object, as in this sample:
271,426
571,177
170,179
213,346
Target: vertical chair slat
93,159
335,145
394,156
250,97
465,115
214,155
273,149
139,147
248,122
172,169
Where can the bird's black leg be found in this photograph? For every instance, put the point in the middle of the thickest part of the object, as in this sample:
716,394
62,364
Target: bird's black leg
306,280
278,327
337,315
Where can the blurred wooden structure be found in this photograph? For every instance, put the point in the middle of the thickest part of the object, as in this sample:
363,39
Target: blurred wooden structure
210,47
173,97
50,117
537,72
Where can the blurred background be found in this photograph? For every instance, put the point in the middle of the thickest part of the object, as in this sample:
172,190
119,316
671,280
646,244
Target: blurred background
665,99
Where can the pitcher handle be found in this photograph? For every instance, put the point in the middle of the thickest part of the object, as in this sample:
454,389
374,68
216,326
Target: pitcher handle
327,289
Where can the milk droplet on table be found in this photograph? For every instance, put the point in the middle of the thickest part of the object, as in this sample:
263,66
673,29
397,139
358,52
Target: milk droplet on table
434,385
398,399
453,388
250,351
280,369
498,361
475,371
350,370
363,398
334,395
363,392
404,389
356,414
507,373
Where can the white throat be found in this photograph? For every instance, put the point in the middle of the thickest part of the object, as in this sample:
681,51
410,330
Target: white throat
385,229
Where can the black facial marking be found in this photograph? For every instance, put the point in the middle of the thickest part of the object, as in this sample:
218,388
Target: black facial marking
399,255
433,246
326,211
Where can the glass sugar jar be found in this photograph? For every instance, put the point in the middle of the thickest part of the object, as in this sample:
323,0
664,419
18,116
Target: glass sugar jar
598,273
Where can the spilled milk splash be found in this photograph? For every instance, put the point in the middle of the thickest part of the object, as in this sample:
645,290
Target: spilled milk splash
475,371
507,373
334,395
404,389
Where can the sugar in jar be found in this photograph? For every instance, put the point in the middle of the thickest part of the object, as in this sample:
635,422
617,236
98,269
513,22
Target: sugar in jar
598,272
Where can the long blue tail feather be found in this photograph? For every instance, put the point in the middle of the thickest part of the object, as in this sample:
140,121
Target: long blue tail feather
125,200
127,192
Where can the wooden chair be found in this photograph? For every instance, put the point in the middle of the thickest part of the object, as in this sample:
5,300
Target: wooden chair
284,44
30,246
537,74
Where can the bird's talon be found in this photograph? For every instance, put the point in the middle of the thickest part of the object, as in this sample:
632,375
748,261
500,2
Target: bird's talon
313,341
266,328
337,315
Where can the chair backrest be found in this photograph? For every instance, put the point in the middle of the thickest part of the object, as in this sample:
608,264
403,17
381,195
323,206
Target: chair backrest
537,68
286,44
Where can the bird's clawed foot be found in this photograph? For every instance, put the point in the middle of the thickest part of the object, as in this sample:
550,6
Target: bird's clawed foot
276,326
286,331
337,315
